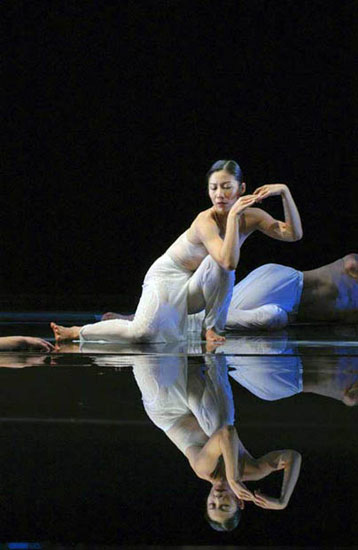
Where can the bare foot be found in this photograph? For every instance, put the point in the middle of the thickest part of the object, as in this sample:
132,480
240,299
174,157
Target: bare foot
65,333
351,265
212,336
72,347
211,346
110,315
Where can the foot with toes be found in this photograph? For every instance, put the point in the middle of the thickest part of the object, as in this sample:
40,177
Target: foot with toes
62,334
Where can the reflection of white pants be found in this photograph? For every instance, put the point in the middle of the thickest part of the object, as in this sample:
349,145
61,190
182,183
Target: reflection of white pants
170,292
189,403
268,298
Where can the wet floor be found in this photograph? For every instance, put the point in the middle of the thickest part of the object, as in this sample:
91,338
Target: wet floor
86,458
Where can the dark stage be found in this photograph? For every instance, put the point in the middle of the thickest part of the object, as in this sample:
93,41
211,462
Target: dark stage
82,462
113,114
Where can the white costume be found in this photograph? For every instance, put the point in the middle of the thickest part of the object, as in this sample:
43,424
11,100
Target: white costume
189,403
268,298
270,369
170,292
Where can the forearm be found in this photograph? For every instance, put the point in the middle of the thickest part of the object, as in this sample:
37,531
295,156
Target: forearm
230,251
229,444
8,343
292,216
292,468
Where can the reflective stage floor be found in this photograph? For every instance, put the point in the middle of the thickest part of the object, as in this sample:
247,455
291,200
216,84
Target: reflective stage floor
82,462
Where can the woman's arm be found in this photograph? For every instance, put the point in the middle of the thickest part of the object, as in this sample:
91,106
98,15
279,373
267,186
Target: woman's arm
291,228
223,442
9,343
287,460
226,252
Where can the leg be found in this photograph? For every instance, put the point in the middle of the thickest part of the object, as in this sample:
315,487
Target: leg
111,315
161,315
141,329
210,289
266,299
267,317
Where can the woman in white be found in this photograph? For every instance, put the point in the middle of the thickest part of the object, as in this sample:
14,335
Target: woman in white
196,273
193,405
273,296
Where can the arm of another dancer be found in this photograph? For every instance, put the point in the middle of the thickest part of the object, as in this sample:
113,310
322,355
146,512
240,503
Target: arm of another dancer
223,442
289,230
9,343
226,252
287,460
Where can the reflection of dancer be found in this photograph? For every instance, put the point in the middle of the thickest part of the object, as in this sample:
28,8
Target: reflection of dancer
196,272
274,376
272,296
194,407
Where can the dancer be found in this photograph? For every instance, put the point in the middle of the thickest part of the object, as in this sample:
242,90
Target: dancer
193,405
196,273
273,296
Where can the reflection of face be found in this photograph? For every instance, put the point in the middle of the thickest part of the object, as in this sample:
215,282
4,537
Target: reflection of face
221,503
223,190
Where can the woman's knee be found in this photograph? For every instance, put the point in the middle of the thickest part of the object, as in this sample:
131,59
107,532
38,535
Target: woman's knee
215,271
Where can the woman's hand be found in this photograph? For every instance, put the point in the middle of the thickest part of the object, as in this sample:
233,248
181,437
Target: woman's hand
240,490
269,503
271,190
242,203
9,343
37,344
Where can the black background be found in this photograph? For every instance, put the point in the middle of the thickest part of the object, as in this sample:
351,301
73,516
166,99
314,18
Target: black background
116,110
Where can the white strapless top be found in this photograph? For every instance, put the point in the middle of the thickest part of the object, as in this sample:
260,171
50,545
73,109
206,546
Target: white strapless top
186,253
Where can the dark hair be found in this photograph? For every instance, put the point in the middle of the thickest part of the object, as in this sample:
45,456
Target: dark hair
219,472
229,165
228,525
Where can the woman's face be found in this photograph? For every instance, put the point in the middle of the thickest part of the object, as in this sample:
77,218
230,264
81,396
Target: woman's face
224,190
222,502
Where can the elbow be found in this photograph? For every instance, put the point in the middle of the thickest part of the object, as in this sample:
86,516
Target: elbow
228,266
227,431
294,237
293,456
297,456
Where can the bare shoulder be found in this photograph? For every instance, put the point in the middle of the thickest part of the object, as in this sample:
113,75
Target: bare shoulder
204,216
201,223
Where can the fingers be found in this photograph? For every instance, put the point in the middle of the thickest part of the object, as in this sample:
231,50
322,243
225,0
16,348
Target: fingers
244,493
245,202
262,193
40,345
260,499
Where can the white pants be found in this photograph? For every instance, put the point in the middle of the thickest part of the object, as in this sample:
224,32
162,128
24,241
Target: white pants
170,292
268,298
